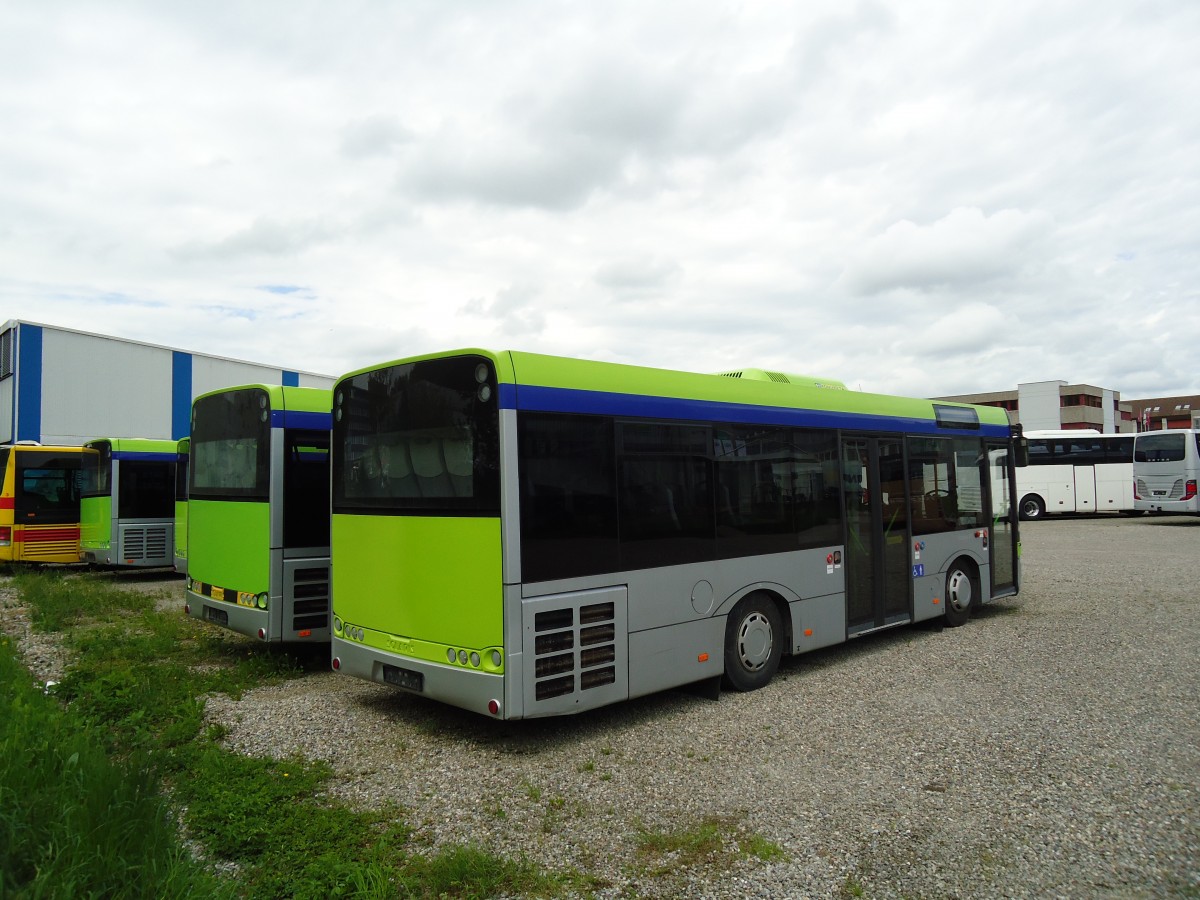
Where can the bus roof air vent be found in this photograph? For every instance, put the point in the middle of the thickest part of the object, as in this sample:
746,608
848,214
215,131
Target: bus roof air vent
785,378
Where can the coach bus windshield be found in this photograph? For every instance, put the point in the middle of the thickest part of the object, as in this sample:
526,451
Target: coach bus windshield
231,446
419,438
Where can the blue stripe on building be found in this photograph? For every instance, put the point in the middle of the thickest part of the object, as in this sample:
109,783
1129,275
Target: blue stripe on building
291,379
181,394
29,390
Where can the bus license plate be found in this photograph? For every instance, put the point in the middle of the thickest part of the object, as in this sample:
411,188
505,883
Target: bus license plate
216,615
405,678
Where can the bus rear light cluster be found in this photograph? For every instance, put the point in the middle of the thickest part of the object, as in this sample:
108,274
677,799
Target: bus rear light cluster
1189,490
5,536
1136,494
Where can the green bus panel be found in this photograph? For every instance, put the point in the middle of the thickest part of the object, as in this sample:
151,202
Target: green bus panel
435,579
181,525
230,544
95,522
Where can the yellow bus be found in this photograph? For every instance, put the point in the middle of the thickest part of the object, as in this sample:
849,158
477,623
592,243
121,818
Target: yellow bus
39,503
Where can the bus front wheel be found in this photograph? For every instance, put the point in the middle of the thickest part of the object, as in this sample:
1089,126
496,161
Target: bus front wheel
1032,507
961,593
753,643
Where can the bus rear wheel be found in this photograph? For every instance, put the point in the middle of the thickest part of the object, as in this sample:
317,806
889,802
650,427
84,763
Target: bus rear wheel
961,593
753,643
1032,507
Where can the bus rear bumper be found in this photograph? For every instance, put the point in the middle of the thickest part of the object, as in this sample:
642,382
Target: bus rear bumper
467,689
242,619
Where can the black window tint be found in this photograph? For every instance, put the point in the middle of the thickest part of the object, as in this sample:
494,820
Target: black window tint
97,469
181,474
48,488
146,489
231,446
776,490
418,438
306,488
955,416
665,493
568,496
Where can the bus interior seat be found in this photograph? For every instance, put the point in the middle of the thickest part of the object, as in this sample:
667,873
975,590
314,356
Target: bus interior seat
396,471
430,468
459,464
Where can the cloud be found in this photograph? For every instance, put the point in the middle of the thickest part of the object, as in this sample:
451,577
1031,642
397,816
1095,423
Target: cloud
965,247
263,237
374,135
637,274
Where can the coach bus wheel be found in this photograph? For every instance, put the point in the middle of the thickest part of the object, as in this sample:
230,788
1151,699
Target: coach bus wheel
961,592
753,643
1032,507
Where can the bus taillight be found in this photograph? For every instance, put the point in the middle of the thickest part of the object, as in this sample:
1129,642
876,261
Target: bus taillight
1189,489
6,534
1136,495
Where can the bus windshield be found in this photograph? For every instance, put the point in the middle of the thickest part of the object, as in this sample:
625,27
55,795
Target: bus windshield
231,446
47,488
419,438
97,469
1160,448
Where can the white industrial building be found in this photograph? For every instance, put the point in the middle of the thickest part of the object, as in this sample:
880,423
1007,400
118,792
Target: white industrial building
62,386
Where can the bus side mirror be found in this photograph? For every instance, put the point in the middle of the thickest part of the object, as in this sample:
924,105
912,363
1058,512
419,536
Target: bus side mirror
1021,446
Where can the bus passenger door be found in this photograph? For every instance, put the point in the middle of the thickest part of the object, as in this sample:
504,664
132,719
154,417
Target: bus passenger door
875,494
1002,503
1085,489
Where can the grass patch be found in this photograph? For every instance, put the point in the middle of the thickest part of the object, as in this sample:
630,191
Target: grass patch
72,821
57,602
82,808
715,841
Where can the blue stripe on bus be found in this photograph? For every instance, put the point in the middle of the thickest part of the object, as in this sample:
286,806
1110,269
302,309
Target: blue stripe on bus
534,398
146,455
293,418
29,390
181,394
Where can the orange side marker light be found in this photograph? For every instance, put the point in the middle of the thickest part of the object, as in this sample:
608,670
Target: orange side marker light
703,657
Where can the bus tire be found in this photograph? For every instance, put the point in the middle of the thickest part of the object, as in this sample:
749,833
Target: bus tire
753,643
1032,507
962,593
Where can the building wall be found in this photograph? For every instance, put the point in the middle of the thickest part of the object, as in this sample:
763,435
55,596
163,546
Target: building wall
91,385
69,386
1039,405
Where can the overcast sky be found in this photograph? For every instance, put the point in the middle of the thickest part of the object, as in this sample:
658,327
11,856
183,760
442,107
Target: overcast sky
914,197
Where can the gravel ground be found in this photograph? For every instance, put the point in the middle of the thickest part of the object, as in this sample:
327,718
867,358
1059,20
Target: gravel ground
1048,748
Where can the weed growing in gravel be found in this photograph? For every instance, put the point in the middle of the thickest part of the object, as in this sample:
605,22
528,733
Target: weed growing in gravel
715,841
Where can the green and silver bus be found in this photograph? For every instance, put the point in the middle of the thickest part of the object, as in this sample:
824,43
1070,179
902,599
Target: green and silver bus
181,481
127,514
258,512
523,535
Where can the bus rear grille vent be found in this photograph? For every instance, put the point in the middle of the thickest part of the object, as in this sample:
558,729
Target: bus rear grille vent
562,648
144,543
310,598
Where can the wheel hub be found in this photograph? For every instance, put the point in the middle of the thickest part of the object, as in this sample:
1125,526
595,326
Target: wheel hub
755,641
